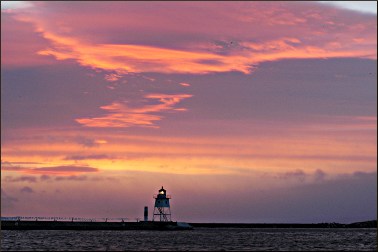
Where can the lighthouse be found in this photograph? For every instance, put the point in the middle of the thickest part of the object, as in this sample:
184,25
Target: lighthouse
162,210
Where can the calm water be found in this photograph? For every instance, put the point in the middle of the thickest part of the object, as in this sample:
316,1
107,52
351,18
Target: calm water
205,239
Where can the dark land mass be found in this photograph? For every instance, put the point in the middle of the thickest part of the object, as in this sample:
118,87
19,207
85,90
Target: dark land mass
150,225
364,224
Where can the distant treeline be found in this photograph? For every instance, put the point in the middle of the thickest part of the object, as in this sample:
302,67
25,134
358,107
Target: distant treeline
364,224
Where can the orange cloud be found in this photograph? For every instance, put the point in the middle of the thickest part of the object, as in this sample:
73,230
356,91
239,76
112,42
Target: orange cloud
319,33
138,58
184,84
120,115
293,48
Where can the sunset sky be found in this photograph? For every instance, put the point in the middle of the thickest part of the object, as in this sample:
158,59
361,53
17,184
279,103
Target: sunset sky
244,111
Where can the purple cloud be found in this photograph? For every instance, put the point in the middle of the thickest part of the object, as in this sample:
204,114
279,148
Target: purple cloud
85,157
64,169
29,179
7,201
27,189
73,177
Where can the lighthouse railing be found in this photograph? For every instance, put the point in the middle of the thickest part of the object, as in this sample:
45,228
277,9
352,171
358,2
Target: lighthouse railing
155,196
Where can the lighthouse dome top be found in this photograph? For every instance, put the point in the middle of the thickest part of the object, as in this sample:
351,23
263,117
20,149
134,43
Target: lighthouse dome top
162,190
162,194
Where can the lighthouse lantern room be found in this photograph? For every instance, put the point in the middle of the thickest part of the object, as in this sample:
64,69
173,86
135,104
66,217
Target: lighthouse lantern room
162,210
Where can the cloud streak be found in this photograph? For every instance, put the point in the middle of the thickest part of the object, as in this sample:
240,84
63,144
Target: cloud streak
62,170
45,171
86,157
120,115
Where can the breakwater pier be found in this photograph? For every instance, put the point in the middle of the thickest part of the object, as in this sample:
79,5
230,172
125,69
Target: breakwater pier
158,225
87,225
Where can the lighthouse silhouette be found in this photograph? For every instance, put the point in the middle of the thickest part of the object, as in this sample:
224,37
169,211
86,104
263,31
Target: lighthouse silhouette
162,209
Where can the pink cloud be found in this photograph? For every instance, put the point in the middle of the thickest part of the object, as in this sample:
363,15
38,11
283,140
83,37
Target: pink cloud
120,115
14,51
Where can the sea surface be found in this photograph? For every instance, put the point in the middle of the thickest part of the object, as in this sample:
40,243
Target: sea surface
199,239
